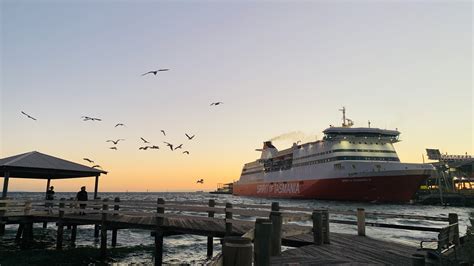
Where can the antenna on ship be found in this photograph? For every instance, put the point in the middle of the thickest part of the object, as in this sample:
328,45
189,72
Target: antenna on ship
343,116
344,119
369,123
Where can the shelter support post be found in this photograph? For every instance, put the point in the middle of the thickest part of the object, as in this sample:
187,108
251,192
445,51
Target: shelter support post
6,177
48,183
96,186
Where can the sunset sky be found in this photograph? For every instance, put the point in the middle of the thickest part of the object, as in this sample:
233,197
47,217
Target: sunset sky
278,66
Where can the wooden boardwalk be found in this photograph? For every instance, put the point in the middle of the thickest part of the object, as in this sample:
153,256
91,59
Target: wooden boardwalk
223,220
346,249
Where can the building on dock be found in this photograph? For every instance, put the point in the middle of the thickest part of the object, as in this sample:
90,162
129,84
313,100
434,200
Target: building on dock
226,188
452,182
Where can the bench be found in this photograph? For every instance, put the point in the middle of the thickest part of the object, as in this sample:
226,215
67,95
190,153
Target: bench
448,239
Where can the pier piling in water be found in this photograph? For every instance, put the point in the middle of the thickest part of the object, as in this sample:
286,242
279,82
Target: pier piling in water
277,222
73,235
210,239
60,223
114,230
160,210
228,215
103,230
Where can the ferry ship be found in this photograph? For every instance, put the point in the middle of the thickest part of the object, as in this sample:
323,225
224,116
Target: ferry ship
349,163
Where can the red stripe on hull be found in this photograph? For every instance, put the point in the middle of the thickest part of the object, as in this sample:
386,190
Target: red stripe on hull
376,188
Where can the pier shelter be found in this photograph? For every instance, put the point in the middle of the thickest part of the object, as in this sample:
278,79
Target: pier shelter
37,165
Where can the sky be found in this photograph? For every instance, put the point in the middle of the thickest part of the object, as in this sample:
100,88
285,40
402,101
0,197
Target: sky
278,66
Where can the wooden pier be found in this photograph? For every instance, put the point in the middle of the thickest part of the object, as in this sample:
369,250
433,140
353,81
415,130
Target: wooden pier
268,227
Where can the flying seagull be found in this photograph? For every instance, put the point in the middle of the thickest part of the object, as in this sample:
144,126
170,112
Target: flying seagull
87,159
29,116
200,181
189,137
96,166
164,133
144,148
178,147
187,152
88,118
114,141
120,125
154,147
154,72
216,103
169,145
144,140
113,148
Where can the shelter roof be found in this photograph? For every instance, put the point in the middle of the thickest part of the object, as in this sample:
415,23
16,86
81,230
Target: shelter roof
42,166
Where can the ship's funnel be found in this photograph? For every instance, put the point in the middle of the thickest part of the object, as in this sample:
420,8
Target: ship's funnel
268,150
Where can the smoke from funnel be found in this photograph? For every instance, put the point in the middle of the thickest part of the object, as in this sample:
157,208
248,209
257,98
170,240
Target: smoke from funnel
294,136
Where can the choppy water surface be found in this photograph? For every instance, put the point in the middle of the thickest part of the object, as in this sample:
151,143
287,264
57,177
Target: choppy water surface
136,246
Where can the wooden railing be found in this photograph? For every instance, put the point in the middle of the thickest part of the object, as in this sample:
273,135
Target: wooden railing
282,221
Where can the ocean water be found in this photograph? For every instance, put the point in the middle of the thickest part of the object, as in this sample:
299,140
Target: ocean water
136,246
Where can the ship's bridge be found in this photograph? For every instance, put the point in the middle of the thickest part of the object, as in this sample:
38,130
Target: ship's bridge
338,133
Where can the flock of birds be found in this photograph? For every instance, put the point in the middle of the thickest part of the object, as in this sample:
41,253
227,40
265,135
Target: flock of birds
146,147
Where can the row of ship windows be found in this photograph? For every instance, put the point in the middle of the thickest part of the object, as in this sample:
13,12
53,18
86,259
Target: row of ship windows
335,150
342,158
344,150
338,158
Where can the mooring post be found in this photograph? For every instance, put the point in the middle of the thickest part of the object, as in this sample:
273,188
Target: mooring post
103,229
453,219
263,232
210,239
114,230
361,221
277,221
318,227
237,251
326,230
228,219
160,219
59,237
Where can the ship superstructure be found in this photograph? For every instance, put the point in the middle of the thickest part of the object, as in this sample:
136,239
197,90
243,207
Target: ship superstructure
349,163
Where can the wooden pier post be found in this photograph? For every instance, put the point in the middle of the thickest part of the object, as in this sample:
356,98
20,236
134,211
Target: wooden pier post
453,219
361,221
160,210
237,251
228,215
103,230
2,213
210,239
263,232
19,232
277,221
71,206
73,235
59,236
114,230
318,227
96,226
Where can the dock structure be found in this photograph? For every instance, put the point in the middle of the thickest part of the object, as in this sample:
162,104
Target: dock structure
268,227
